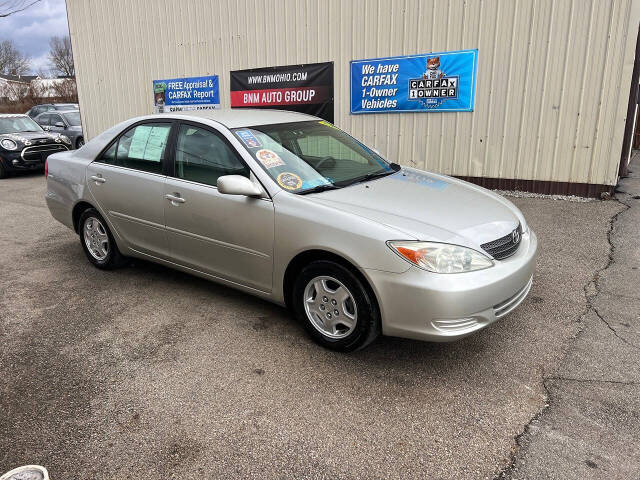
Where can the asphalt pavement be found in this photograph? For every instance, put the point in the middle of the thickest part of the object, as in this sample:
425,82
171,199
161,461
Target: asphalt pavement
145,372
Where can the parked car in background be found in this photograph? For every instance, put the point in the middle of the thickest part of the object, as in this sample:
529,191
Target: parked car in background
66,123
24,145
47,107
288,207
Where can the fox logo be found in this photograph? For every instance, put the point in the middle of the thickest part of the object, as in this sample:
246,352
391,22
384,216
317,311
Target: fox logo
433,69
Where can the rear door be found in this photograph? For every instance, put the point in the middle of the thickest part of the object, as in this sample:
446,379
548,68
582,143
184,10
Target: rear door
127,181
229,236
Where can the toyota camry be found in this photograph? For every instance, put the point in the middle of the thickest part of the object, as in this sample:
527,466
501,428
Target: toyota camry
290,208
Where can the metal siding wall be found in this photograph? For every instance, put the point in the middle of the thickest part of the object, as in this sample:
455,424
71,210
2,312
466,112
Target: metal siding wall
553,76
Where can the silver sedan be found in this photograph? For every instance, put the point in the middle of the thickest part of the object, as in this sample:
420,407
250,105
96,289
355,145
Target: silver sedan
290,208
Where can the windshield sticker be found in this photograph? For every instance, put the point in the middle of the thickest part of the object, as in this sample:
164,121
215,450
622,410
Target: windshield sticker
289,181
328,124
249,139
314,183
269,158
420,179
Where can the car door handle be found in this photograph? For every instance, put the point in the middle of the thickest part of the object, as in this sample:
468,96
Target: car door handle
98,178
174,198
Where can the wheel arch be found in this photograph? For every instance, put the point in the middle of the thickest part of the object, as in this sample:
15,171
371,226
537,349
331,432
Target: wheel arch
78,208
302,259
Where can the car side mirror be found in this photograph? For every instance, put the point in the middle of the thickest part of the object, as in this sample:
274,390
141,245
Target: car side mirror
238,185
60,124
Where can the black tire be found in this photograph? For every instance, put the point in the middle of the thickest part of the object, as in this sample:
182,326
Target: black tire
113,258
367,326
3,171
79,142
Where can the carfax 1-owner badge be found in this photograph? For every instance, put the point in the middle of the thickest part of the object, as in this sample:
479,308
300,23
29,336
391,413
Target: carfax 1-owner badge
435,86
444,81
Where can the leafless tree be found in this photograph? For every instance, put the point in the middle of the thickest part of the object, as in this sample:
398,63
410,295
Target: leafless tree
12,61
60,56
9,7
65,91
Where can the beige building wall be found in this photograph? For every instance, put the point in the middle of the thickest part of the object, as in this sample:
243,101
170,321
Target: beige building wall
553,76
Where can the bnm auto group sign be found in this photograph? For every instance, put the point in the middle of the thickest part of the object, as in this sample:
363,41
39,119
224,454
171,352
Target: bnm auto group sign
301,88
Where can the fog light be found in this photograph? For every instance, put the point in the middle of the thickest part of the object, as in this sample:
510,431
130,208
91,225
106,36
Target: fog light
454,326
15,162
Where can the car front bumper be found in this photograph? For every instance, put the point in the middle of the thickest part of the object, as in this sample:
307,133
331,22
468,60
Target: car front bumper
444,307
13,162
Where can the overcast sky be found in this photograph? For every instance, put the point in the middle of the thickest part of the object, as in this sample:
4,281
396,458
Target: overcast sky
31,29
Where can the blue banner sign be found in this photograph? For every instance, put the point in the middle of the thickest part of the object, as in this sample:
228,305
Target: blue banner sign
192,93
440,82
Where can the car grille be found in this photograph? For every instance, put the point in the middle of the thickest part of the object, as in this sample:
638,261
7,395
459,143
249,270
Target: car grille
39,153
505,246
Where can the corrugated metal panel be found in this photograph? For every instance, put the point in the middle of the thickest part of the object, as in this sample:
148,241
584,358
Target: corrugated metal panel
552,90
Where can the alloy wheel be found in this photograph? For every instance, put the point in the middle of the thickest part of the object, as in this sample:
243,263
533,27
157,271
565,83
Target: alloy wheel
96,238
330,307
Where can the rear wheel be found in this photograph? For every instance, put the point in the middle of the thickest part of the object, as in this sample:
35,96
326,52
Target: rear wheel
97,242
335,307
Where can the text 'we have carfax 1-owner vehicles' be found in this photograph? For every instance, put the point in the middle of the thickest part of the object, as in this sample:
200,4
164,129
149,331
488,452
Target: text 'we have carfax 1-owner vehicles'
288,207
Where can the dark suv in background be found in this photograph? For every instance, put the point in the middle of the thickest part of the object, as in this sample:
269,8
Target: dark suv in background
47,107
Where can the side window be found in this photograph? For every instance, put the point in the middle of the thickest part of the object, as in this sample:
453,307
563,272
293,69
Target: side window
143,147
53,119
202,156
109,156
44,119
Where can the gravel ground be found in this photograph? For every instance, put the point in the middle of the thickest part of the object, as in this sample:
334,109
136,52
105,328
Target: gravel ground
147,372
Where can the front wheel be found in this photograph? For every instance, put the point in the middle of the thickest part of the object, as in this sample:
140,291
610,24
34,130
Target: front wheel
3,171
335,307
79,142
97,242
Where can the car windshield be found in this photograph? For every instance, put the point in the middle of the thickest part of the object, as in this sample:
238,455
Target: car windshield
73,118
65,106
18,124
311,156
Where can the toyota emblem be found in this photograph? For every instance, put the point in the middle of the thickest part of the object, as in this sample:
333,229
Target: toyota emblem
515,236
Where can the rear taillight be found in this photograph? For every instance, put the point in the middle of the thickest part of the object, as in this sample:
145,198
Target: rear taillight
46,168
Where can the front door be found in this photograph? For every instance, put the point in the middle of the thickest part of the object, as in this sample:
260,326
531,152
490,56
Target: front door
127,182
228,236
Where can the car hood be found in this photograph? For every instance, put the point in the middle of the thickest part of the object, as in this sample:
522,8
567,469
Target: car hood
34,137
430,207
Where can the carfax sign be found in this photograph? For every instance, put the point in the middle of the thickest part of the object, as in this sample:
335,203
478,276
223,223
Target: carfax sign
441,82
192,93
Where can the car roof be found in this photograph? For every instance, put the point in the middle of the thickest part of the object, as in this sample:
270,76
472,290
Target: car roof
246,117
12,115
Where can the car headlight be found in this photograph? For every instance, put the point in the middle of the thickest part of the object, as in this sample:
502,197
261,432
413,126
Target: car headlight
441,257
8,144
63,138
